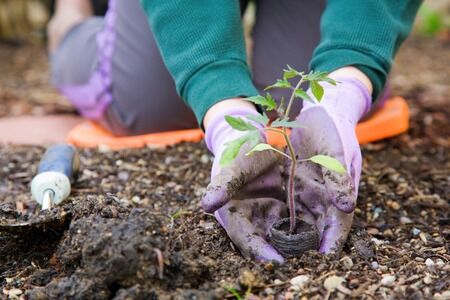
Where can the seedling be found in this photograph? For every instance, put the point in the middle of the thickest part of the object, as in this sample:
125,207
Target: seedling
281,126
234,292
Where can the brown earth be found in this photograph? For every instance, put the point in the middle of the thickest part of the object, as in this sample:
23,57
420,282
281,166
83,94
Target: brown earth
133,228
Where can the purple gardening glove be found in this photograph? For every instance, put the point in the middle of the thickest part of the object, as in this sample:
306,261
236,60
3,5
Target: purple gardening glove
324,197
255,179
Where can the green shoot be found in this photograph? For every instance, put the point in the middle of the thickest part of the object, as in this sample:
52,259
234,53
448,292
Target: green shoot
280,126
233,291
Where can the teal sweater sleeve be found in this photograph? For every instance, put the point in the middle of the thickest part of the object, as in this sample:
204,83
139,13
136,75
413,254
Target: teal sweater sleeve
202,45
365,34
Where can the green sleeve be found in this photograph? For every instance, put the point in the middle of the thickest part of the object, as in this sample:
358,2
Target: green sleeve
202,45
365,34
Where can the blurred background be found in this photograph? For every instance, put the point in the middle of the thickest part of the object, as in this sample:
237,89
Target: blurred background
422,64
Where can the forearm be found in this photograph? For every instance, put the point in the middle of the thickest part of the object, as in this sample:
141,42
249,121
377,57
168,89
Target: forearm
364,34
202,45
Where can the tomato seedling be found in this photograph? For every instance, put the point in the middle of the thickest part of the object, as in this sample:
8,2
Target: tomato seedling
281,126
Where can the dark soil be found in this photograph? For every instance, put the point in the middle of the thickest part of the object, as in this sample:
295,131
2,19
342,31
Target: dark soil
303,238
133,227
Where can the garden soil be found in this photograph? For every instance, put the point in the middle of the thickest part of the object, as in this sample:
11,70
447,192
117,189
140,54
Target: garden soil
133,227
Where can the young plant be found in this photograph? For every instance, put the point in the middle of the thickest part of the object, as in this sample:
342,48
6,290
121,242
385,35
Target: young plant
281,126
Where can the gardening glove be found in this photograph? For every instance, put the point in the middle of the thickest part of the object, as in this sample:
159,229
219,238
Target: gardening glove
324,197
255,179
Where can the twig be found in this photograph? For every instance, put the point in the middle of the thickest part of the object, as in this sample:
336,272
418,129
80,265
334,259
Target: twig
160,261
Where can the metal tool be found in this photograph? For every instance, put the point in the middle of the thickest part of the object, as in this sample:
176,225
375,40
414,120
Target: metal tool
55,175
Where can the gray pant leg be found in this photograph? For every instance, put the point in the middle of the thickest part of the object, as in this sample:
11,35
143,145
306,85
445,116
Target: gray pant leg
76,57
144,93
285,32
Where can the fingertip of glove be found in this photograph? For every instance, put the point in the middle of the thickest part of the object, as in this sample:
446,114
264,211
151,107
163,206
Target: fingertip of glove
207,205
345,205
273,257
213,200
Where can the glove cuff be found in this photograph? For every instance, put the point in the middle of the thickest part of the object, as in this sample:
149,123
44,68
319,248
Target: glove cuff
349,98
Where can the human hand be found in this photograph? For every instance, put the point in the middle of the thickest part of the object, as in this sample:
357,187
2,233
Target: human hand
246,195
324,197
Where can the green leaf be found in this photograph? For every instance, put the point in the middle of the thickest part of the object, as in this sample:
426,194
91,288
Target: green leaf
317,90
300,93
286,123
267,102
315,76
328,162
319,76
262,119
260,147
290,73
177,214
239,124
281,84
287,74
232,148
253,138
264,147
329,80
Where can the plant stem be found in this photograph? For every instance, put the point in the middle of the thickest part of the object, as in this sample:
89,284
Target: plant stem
291,100
290,193
291,199
291,196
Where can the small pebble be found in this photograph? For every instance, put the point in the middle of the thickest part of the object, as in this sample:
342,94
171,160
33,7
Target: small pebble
429,263
123,176
376,212
427,279
393,204
204,159
374,265
269,291
277,282
423,237
373,231
377,242
332,282
14,293
207,225
298,282
415,231
388,280
440,263
136,199
388,233
444,296
347,262
268,266
248,278
419,259
405,220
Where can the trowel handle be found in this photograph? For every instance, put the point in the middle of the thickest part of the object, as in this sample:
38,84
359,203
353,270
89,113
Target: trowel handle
61,158
56,172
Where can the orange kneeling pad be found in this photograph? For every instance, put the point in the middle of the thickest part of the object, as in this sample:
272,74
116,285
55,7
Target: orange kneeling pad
390,120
